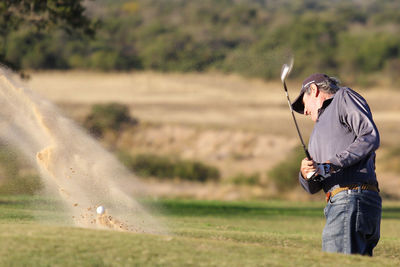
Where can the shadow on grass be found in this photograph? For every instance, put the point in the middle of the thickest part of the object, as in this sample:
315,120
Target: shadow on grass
199,208
245,210
391,213
22,201
14,202
23,208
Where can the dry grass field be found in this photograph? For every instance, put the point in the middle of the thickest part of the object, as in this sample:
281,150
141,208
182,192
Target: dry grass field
182,99
237,124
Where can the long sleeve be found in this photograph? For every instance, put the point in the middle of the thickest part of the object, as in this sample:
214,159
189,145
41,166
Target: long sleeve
311,187
355,114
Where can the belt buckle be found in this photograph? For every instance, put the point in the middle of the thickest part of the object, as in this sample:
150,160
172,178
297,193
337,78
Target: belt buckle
349,191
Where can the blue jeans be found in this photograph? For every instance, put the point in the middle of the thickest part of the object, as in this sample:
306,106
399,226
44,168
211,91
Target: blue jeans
353,219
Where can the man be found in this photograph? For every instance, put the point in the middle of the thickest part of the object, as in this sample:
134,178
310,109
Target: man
342,146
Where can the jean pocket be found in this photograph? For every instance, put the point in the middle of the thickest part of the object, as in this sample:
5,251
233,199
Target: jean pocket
368,219
339,198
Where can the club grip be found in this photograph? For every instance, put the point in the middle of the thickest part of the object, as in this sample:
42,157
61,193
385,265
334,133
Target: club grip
307,154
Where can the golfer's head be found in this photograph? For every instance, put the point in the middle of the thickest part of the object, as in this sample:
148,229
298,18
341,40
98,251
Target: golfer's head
313,92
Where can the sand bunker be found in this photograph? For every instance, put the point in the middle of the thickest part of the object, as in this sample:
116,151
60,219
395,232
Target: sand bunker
71,163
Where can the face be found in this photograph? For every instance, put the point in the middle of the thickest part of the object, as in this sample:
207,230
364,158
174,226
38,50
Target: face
312,102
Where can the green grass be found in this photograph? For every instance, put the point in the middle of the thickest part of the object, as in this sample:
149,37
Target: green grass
202,233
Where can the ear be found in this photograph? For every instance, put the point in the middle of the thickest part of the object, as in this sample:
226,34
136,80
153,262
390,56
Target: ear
314,90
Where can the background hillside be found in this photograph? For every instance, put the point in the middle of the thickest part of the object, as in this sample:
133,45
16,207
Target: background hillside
355,40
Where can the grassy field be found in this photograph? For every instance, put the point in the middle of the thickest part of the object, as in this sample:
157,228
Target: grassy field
202,233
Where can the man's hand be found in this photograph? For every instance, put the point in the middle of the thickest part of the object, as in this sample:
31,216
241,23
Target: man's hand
315,171
308,168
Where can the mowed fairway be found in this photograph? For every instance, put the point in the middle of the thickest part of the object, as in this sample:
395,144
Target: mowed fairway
202,233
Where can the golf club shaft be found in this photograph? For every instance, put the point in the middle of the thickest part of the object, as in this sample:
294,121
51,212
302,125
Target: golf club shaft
295,122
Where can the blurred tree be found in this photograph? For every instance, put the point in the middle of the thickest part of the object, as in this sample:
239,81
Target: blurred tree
351,39
104,117
40,16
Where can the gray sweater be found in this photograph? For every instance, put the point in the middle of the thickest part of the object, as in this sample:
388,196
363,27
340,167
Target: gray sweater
346,135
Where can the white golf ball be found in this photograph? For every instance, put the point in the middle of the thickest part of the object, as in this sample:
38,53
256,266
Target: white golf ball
100,210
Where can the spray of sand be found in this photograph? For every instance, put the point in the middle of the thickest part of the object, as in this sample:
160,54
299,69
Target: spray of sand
72,164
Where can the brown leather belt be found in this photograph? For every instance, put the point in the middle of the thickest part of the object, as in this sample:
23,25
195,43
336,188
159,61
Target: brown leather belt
332,193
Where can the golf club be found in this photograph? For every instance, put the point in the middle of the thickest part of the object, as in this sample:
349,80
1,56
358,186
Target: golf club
286,68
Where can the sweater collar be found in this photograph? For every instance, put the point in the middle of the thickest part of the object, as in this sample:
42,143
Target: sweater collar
324,106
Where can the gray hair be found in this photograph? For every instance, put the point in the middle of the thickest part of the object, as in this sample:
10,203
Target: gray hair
329,86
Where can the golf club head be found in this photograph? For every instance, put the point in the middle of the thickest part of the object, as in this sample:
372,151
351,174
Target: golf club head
286,68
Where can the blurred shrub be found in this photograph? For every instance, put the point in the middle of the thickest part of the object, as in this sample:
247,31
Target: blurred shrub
195,171
285,174
105,117
11,182
246,179
103,60
148,165
175,51
35,50
375,50
21,185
